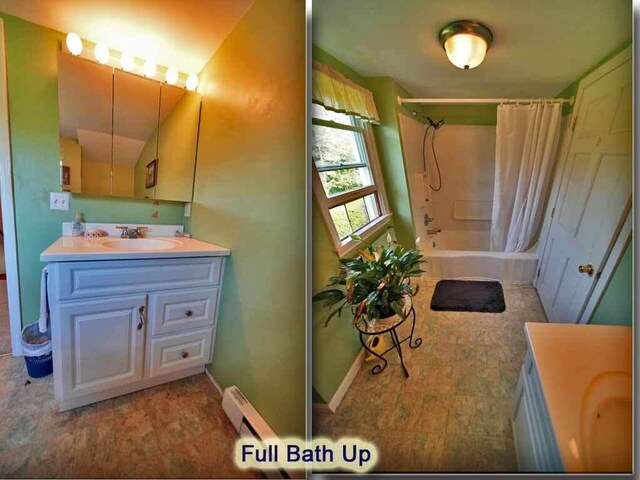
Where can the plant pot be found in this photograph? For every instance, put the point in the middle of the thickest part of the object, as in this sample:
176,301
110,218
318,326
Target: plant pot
405,304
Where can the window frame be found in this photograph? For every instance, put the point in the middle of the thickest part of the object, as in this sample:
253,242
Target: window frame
367,147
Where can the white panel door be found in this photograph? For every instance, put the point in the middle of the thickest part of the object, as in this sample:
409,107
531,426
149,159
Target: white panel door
594,196
102,344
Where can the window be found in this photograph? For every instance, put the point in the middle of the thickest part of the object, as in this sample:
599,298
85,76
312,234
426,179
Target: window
347,182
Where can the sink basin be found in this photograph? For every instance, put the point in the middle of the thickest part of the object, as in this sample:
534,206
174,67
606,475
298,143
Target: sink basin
606,423
141,244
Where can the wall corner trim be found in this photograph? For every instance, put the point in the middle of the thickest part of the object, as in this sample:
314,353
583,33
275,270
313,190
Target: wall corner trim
342,390
213,380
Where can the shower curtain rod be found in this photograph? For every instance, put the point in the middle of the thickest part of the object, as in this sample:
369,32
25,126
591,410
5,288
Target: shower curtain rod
477,101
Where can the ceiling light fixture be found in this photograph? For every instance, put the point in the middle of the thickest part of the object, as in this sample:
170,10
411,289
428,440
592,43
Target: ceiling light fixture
127,62
102,53
192,82
466,43
171,76
74,44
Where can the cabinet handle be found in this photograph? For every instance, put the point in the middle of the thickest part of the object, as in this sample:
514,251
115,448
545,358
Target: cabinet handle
141,317
185,354
189,313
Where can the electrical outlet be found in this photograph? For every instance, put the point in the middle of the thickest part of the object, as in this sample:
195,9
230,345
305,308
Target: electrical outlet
58,201
187,209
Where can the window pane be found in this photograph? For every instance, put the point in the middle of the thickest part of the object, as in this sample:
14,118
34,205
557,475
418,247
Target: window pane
318,111
336,182
353,216
341,221
357,213
334,147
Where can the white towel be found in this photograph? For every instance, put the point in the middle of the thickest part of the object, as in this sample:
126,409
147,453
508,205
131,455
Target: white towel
426,188
43,321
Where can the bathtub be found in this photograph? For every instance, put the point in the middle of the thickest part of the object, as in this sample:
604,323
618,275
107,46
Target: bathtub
465,255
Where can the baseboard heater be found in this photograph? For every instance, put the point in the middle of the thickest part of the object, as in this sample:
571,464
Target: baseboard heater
249,423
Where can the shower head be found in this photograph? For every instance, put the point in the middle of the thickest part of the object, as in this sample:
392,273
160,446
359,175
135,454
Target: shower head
436,125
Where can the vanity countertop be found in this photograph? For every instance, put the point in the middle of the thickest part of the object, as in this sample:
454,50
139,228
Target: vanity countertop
73,249
568,358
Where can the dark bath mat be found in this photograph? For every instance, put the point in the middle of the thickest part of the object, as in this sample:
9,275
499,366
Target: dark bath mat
468,296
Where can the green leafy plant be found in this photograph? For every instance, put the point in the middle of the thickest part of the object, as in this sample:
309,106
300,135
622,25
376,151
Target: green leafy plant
374,283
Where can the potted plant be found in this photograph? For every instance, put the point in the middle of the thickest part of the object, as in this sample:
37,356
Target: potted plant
376,284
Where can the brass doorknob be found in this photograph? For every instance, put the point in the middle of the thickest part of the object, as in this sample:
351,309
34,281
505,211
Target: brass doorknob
588,269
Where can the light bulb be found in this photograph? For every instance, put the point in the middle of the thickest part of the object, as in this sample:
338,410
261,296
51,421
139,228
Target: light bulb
465,50
192,82
149,69
171,76
102,53
74,44
127,61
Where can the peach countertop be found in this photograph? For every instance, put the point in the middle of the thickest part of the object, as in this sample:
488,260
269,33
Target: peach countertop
568,357
73,249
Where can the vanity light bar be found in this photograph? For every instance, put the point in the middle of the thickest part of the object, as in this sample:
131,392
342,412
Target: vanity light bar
102,55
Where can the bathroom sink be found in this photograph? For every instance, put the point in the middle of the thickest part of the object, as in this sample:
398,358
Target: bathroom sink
141,244
606,423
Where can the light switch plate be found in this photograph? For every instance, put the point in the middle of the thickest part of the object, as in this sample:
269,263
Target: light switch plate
187,209
58,201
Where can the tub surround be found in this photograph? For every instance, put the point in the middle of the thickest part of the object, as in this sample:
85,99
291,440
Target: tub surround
567,365
463,255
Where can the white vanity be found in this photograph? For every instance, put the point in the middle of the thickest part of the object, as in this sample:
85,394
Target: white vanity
573,404
128,314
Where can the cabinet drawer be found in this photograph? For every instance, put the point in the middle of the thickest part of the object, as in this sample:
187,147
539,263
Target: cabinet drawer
170,353
182,310
97,279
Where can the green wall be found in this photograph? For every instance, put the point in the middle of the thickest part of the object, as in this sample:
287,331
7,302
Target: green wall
33,114
336,346
250,197
616,305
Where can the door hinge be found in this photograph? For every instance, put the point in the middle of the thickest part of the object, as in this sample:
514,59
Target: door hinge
538,274
598,275
553,212
573,127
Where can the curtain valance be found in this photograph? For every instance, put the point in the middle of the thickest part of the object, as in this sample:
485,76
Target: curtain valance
336,92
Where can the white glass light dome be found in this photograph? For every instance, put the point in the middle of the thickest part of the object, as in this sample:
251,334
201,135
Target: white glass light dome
466,43
465,50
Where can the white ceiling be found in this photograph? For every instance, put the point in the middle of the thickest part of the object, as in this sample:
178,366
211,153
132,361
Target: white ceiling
183,34
539,48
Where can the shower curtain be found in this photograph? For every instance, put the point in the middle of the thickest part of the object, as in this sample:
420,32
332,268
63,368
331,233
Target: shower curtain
526,144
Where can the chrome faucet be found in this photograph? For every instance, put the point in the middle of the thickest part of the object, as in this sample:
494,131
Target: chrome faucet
137,232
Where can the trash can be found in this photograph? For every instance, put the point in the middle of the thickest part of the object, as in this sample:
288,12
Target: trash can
36,348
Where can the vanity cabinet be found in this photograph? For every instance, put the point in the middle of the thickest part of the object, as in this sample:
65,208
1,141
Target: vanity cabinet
535,442
123,325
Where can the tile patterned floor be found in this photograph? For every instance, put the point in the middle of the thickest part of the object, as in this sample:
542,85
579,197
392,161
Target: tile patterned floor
176,430
452,413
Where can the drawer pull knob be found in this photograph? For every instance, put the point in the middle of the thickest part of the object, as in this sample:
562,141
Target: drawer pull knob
189,313
185,354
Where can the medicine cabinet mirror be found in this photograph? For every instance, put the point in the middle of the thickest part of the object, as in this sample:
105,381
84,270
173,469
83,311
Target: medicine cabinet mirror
125,135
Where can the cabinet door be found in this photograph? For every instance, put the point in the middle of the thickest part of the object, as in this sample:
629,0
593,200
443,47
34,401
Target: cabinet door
102,344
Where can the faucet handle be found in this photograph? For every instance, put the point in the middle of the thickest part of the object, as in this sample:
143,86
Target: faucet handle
141,231
125,230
